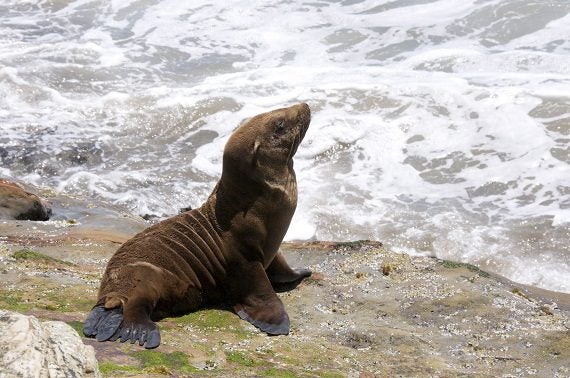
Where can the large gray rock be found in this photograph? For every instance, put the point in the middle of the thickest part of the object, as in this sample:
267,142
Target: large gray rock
33,348
18,203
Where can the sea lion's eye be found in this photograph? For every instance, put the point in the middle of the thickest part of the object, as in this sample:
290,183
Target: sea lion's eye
280,126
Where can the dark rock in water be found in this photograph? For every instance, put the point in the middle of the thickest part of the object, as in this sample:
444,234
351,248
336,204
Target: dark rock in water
81,154
17,203
30,157
150,217
24,157
185,209
155,217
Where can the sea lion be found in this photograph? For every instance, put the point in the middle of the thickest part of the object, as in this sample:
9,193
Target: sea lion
226,251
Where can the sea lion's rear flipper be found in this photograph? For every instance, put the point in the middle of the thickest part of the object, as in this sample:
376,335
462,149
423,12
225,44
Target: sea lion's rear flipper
257,302
282,276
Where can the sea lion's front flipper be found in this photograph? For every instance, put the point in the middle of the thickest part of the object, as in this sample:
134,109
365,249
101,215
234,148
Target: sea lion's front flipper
144,332
137,325
102,323
109,325
282,276
257,302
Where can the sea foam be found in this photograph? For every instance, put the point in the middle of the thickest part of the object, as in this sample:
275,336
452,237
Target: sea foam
439,127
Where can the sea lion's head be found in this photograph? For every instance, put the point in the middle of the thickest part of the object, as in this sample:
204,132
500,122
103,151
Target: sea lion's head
263,147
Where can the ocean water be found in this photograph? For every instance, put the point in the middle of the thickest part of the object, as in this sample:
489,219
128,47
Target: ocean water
440,127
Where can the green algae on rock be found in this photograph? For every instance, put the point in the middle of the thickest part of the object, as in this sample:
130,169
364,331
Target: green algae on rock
240,358
37,257
454,265
157,361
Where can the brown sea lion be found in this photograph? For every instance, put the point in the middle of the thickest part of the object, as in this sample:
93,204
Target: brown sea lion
224,251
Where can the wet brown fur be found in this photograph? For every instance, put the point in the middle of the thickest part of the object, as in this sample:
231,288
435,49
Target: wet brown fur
226,250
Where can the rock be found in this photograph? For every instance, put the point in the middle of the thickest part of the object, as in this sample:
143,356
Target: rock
365,311
31,348
17,203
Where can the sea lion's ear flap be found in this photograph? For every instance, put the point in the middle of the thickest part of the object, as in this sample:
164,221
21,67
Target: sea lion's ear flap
256,146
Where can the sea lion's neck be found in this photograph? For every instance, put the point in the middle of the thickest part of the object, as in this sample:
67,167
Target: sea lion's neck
244,195
283,184
263,180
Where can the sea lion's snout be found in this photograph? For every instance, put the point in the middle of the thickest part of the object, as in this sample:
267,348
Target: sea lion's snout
302,112
300,117
304,116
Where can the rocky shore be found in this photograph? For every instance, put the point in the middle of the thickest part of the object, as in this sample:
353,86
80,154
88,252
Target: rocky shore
366,311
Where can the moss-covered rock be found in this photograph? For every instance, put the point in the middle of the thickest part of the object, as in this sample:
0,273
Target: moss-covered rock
164,363
111,369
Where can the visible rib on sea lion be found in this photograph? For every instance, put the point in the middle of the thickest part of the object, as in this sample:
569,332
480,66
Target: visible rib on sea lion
224,251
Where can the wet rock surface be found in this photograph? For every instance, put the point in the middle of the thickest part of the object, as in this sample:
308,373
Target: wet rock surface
365,312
